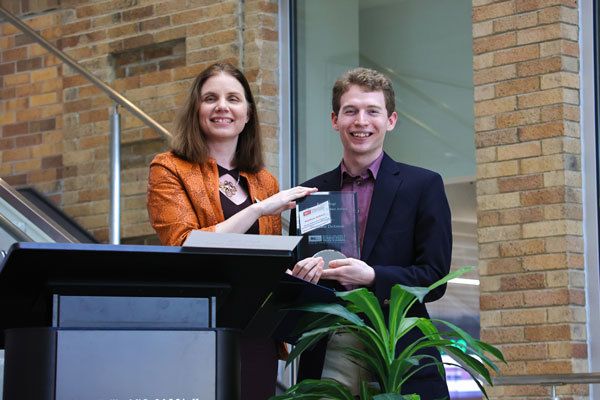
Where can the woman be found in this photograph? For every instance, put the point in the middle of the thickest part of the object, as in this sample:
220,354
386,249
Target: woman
214,179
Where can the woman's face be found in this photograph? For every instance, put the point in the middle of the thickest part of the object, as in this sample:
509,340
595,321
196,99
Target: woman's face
223,109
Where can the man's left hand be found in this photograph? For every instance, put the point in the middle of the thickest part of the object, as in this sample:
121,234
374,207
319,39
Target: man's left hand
350,271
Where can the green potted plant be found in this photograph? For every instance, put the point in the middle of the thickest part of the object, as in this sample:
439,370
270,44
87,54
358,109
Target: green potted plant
379,339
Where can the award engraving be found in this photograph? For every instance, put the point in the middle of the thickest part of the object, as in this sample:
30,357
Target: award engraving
328,221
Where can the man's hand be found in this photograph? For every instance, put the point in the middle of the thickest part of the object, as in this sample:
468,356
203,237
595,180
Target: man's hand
350,271
309,269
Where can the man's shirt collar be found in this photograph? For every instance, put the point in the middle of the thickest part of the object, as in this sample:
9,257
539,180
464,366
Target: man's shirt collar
370,172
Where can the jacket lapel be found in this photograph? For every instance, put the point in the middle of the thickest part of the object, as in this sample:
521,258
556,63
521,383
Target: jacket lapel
328,182
209,175
387,183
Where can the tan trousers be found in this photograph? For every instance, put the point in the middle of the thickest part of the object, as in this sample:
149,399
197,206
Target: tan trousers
340,366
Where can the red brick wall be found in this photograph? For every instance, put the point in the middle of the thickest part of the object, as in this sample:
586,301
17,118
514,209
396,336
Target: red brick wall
526,65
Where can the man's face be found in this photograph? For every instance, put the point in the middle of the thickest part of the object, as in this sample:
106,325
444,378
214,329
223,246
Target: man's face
362,122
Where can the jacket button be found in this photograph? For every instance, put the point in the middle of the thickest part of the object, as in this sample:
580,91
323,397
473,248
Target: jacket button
386,302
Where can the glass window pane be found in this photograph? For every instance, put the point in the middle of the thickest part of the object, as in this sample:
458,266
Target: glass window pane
425,47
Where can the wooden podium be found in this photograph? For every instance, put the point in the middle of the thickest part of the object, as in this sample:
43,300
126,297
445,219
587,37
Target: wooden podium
87,321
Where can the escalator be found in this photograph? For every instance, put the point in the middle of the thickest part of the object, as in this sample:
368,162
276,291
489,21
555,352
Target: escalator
27,216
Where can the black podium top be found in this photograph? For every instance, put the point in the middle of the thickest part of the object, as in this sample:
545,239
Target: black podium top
32,272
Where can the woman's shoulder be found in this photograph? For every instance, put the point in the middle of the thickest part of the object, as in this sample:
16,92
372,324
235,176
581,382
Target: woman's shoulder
264,179
170,160
264,175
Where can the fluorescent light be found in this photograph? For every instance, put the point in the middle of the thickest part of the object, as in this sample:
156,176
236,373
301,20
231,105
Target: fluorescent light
463,281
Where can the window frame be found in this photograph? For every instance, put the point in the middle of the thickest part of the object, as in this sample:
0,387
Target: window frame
590,107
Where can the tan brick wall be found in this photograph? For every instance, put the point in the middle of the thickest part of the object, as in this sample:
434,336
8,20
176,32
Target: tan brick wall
529,188
54,124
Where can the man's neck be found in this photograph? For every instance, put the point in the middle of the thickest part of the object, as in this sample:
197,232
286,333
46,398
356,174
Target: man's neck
356,165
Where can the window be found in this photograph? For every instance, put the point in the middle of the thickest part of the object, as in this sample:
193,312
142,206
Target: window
425,47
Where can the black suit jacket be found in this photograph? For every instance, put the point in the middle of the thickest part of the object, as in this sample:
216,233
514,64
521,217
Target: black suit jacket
408,240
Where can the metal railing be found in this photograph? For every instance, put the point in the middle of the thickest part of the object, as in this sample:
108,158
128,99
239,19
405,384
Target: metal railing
549,380
115,142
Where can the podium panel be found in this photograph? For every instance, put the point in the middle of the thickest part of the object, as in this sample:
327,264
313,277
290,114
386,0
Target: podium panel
138,365
132,312
91,364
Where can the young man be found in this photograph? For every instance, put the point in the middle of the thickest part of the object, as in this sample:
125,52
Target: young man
404,222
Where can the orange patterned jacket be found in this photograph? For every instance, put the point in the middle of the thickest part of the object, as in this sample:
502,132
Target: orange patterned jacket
183,196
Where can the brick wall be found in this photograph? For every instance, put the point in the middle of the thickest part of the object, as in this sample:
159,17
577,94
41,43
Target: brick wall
54,125
529,188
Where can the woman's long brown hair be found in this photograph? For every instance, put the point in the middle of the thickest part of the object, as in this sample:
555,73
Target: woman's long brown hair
189,142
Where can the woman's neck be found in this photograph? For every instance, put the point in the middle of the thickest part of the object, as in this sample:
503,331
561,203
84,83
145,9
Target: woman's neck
223,153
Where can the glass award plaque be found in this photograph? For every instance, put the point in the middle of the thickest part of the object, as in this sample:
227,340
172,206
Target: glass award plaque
328,222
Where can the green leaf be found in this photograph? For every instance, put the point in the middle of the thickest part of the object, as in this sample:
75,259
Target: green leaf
404,326
435,362
366,360
491,349
368,304
365,394
306,341
375,348
394,396
421,292
471,343
397,371
417,291
451,275
428,328
475,379
319,321
371,340
469,362
399,302
422,343
334,309
413,365
316,389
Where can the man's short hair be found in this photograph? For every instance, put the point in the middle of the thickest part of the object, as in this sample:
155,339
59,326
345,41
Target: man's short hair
368,80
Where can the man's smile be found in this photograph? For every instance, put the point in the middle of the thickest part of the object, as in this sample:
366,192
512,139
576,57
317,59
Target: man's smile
360,134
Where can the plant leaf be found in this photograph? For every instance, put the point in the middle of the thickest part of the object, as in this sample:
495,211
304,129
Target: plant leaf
471,342
316,389
307,340
428,328
421,292
365,359
492,350
364,391
405,325
475,379
375,348
417,291
411,366
368,304
469,362
451,275
399,302
394,396
333,309
321,321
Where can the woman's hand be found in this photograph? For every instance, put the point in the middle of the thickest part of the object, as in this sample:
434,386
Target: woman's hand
309,269
284,200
